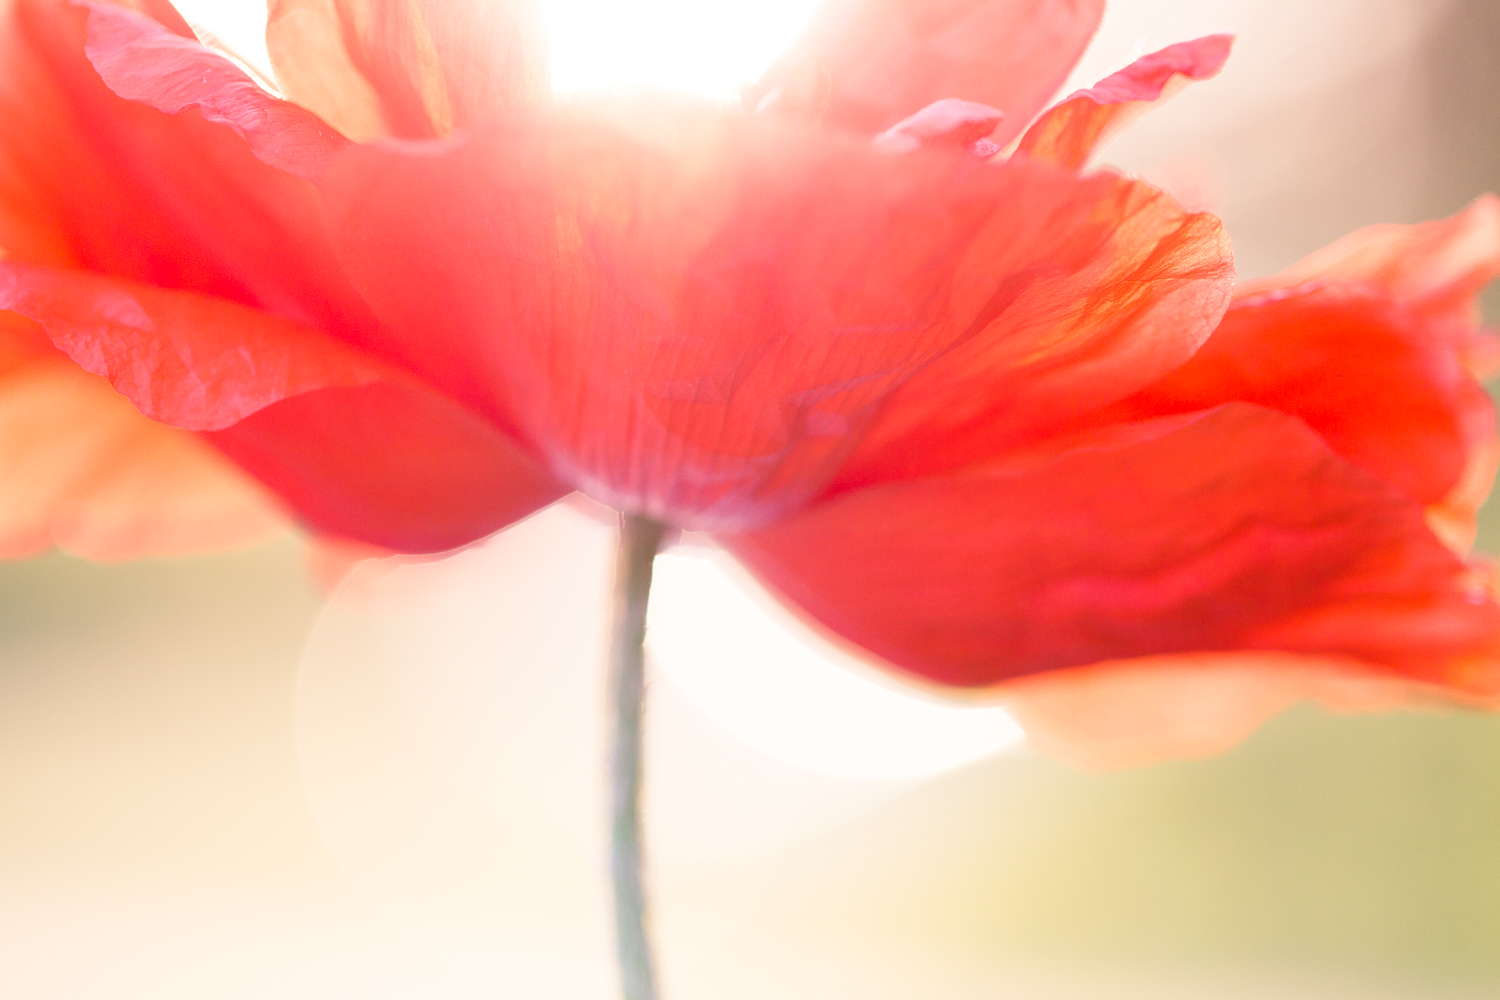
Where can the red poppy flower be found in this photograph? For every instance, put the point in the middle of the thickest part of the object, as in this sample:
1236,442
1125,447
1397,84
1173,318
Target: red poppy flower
955,406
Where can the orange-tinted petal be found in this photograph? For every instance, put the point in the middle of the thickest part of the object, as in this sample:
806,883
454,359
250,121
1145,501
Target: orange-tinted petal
1236,529
697,315
886,59
358,448
413,69
1374,342
1109,290
1438,267
90,180
1379,381
142,60
1129,713
1069,133
82,470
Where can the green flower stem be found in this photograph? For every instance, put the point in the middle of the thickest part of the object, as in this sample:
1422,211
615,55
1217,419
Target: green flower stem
639,540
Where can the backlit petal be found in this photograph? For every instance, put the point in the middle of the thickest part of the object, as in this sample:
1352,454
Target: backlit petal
1130,713
1069,133
141,60
1104,293
1379,381
698,315
886,59
185,359
1235,529
1437,266
358,448
394,465
82,470
88,179
408,68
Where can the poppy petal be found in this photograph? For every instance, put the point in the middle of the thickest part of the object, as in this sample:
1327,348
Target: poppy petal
1438,267
886,59
1383,386
82,470
1068,133
79,166
359,449
701,321
1131,713
1117,287
949,122
391,464
141,60
182,358
412,69
1233,529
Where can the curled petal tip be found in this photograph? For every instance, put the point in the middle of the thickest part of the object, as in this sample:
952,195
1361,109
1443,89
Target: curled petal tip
949,122
1071,131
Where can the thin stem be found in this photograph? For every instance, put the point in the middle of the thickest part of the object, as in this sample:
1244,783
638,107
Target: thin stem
639,540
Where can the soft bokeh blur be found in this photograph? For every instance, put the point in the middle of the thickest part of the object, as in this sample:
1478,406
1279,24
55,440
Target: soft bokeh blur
191,808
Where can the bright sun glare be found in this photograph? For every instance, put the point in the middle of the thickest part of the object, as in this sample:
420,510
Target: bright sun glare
706,47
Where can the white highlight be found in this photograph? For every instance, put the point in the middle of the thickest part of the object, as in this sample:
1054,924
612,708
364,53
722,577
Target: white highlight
783,690
450,719
711,48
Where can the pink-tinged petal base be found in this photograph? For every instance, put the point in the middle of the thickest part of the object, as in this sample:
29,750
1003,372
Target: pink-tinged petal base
885,59
1236,529
1073,130
83,471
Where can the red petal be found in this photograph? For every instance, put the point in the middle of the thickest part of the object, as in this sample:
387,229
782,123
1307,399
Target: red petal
1374,343
1069,133
409,68
1105,289
141,60
359,449
1438,267
1384,388
81,470
1237,529
185,359
886,59
79,166
700,321
392,464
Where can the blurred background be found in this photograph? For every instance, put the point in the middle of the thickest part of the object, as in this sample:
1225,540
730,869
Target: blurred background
177,821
